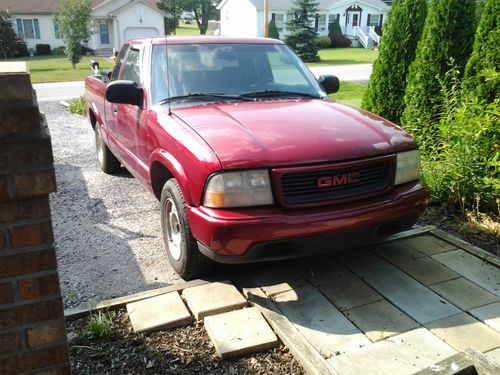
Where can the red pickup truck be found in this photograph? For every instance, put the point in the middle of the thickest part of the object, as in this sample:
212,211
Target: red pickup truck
250,158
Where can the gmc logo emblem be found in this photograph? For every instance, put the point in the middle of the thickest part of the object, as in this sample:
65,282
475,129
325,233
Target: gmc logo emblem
338,180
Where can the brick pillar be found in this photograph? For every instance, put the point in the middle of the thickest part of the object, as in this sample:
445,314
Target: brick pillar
32,331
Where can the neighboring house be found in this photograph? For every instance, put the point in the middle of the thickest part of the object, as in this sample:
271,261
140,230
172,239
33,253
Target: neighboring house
358,19
115,22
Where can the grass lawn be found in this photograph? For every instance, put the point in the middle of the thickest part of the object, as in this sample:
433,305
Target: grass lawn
345,56
350,93
59,69
187,30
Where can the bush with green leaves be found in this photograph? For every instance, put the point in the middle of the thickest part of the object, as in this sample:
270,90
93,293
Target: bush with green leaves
484,61
42,49
100,324
8,37
302,35
75,24
78,106
334,28
446,42
340,41
324,42
461,161
402,30
273,30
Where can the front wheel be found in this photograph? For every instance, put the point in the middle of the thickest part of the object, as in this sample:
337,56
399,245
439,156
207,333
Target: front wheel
181,246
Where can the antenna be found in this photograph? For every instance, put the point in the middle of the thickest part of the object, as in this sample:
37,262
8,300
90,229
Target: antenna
168,74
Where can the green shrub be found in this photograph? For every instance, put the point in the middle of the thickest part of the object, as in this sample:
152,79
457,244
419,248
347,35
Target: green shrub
402,30
59,51
42,49
334,28
78,106
485,55
446,42
273,30
461,162
100,324
21,49
302,35
324,42
340,41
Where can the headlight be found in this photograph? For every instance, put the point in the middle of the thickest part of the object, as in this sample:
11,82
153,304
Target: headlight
407,167
238,189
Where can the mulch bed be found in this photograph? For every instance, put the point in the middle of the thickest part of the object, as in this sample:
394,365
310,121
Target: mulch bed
186,350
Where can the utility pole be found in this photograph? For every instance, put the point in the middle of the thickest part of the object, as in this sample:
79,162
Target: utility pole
266,24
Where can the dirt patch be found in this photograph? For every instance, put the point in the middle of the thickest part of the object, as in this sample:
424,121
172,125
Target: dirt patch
186,350
482,231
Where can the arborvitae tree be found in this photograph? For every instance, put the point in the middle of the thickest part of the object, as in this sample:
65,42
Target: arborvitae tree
273,30
402,30
334,29
446,42
485,58
8,36
302,37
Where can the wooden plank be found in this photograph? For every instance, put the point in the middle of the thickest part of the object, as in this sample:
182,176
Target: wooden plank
483,254
310,359
78,312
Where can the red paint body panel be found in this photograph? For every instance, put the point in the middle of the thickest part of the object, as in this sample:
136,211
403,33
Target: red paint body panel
280,134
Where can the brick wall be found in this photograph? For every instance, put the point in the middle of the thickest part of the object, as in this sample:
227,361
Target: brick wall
32,331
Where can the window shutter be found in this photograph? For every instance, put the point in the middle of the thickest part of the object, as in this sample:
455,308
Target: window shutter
19,23
316,21
380,21
368,20
37,28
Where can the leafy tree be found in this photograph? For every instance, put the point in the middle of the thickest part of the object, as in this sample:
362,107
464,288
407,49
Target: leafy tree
334,28
273,30
172,10
8,36
480,78
446,42
402,30
203,11
303,36
75,24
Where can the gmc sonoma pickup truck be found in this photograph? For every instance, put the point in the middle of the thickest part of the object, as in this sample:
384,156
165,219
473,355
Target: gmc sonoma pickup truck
249,157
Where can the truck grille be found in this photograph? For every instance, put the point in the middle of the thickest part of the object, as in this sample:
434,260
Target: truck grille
336,183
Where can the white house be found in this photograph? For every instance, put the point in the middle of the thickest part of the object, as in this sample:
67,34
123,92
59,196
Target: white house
115,22
358,19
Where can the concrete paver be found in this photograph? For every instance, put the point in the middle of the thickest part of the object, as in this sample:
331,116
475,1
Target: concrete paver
320,322
321,270
359,259
464,294
239,332
420,303
472,268
380,320
274,280
401,354
161,312
428,271
462,331
348,291
214,298
428,245
494,355
396,252
489,314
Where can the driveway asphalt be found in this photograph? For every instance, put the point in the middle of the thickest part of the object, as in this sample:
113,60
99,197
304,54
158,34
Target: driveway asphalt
70,90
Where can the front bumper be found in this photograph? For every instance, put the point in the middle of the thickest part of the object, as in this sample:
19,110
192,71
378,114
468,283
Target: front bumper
268,233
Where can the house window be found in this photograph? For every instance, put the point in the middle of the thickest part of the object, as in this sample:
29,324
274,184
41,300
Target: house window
57,31
104,32
28,28
279,20
321,23
373,19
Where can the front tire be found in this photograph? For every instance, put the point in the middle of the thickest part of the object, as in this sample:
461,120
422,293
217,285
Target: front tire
181,246
107,161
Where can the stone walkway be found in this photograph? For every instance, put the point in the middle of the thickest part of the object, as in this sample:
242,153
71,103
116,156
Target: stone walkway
396,307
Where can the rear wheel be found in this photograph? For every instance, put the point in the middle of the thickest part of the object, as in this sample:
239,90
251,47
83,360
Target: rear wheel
181,246
107,161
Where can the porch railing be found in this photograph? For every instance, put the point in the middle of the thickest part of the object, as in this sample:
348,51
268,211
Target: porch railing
362,37
374,35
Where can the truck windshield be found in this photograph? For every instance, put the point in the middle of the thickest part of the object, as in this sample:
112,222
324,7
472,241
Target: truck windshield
217,72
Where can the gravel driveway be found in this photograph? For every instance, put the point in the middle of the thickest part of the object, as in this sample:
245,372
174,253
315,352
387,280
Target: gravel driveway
107,228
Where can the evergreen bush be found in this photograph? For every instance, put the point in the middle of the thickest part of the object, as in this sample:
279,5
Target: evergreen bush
42,49
273,30
324,42
303,36
402,30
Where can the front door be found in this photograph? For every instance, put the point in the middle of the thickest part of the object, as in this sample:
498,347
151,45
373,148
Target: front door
353,20
104,38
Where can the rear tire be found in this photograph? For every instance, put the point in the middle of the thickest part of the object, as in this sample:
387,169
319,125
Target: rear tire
107,161
182,248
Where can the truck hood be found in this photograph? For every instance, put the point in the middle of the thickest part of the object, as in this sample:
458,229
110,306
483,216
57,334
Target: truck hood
290,132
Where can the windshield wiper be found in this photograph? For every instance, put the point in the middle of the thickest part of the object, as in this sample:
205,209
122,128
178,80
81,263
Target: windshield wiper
203,95
277,93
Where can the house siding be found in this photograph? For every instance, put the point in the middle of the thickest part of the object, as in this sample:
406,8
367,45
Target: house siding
239,17
47,33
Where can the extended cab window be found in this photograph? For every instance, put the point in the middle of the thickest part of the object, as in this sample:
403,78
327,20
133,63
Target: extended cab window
119,62
131,70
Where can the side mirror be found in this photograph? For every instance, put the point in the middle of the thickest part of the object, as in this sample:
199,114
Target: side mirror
125,92
330,83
